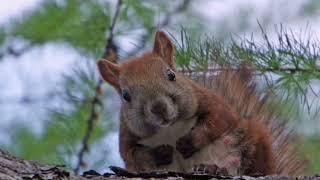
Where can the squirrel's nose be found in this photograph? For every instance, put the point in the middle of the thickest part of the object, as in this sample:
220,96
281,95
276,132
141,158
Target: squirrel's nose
159,109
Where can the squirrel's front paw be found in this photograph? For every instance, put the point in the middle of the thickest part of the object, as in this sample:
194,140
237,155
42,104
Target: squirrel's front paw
185,146
163,154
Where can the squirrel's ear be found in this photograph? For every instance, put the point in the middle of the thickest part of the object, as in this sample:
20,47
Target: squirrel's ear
164,48
110,72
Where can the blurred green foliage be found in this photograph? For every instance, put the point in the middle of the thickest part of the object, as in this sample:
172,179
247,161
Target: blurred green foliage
310,8
57,144
2,36
288,57
67,124
82,24
311,148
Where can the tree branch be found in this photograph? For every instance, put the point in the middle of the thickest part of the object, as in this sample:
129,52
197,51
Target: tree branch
283,70
96,102
14,52
110,46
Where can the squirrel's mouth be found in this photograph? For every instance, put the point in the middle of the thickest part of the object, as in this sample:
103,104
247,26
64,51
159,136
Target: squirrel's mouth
163,120
163,125
166,122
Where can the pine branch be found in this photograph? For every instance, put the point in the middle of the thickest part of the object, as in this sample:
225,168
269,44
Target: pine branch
292,58
96,102
284,70
11,51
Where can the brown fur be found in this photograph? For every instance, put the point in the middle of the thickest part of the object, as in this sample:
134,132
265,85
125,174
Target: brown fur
204,125
239,90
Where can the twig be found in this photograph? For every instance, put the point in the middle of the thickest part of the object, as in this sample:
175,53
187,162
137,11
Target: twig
110,46
288,70
165,22
96,101
15,52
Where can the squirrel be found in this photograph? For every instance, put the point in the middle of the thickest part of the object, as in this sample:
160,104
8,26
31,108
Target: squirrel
222,124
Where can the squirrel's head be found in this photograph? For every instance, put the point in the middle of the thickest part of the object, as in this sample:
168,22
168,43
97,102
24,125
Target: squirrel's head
151,89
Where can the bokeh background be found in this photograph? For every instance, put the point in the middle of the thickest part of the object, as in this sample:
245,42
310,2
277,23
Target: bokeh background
50,86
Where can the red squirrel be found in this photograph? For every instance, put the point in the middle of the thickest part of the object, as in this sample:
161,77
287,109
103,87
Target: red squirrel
171,122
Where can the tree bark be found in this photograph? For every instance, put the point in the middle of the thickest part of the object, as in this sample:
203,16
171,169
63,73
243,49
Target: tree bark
13,168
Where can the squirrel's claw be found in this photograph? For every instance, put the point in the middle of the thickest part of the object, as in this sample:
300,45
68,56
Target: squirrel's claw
209,169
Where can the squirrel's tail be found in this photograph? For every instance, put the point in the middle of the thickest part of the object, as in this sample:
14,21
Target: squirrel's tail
241,92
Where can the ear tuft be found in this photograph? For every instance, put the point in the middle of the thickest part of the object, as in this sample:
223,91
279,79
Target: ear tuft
164,48
110,72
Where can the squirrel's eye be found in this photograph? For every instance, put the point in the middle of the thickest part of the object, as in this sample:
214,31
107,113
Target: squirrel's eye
171,75
126,96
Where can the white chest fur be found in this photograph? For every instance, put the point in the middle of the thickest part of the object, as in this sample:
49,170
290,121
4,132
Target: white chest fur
215,153
169,135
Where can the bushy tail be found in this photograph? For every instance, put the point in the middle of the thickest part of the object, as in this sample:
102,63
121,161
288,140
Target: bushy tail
241,92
